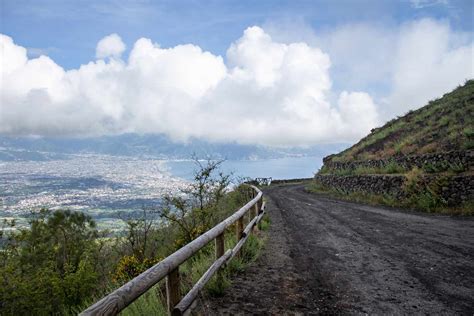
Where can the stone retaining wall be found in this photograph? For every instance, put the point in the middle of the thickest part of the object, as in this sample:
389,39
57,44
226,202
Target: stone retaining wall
376,184
455,190
463,159
459,189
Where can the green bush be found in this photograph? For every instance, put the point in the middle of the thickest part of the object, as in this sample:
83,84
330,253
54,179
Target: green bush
51,267
393,167
60,264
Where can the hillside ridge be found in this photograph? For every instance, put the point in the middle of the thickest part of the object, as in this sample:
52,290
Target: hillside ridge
445,124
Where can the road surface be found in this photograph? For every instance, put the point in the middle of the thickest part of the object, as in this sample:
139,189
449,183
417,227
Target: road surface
325,256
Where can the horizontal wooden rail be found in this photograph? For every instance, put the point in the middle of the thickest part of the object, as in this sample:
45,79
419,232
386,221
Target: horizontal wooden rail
116,301
186,302
242,241
184,306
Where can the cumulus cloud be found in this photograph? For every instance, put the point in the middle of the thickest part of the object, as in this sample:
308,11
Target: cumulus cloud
430,59
271,92
402,67
110,46
268,93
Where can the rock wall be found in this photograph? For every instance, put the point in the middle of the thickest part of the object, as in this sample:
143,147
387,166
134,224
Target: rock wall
461,159
376,184
459,189
453,190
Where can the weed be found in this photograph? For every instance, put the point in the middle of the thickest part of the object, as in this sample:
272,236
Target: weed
393,167
420,192
429,148
454,167
468,132
265,223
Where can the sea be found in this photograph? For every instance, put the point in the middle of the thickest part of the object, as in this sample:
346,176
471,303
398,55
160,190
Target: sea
113,189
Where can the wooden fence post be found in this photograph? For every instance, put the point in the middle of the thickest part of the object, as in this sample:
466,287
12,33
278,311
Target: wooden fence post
168,268
239,229
172,289
255,214
220,247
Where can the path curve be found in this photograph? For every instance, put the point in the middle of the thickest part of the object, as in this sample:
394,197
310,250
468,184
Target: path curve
326,256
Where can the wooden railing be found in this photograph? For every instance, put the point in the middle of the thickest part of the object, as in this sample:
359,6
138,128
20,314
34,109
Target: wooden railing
116,301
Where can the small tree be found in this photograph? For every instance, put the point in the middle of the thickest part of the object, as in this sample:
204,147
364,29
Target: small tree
139,232
196,210
54,260
139,248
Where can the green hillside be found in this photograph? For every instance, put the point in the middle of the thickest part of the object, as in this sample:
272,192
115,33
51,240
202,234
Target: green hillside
442,125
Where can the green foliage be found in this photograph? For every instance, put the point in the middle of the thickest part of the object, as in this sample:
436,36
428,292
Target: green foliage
324,170
421,193
198,208
363,170
469,135
344,172
376,199
317,187
152,302
130,266
265,223
61,264
54,261
469,132
447,123
393,167
454,167
390,168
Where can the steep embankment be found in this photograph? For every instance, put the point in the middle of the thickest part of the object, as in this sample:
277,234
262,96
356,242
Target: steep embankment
445,124
422,160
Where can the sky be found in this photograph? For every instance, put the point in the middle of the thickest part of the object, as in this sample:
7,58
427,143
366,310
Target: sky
274,73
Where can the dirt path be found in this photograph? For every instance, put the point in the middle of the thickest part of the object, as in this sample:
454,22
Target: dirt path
333,257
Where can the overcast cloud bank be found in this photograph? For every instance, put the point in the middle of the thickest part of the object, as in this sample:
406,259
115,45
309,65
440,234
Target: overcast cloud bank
266,92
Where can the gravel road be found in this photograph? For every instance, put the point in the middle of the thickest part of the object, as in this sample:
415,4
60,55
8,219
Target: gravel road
326,256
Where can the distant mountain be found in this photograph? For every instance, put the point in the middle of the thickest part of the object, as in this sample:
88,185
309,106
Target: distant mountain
156,146
442,125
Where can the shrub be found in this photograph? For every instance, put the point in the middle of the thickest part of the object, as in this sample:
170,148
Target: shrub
56,261
423,193
197,209
130,266
393,167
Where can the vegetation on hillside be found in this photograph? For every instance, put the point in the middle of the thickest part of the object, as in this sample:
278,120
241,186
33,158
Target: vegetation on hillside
444,124
61,263
420,194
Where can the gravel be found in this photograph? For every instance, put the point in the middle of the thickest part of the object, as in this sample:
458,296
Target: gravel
325,256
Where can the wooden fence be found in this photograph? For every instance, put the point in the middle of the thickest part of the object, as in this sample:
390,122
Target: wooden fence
116,301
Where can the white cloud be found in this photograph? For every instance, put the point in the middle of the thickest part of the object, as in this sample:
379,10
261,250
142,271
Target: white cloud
431,59
110,46
402,67
269,93
420,4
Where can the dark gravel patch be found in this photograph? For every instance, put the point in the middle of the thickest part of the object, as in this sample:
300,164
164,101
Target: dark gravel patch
326,256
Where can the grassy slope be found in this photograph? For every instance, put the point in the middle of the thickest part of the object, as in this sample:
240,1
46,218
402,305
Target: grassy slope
442,125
